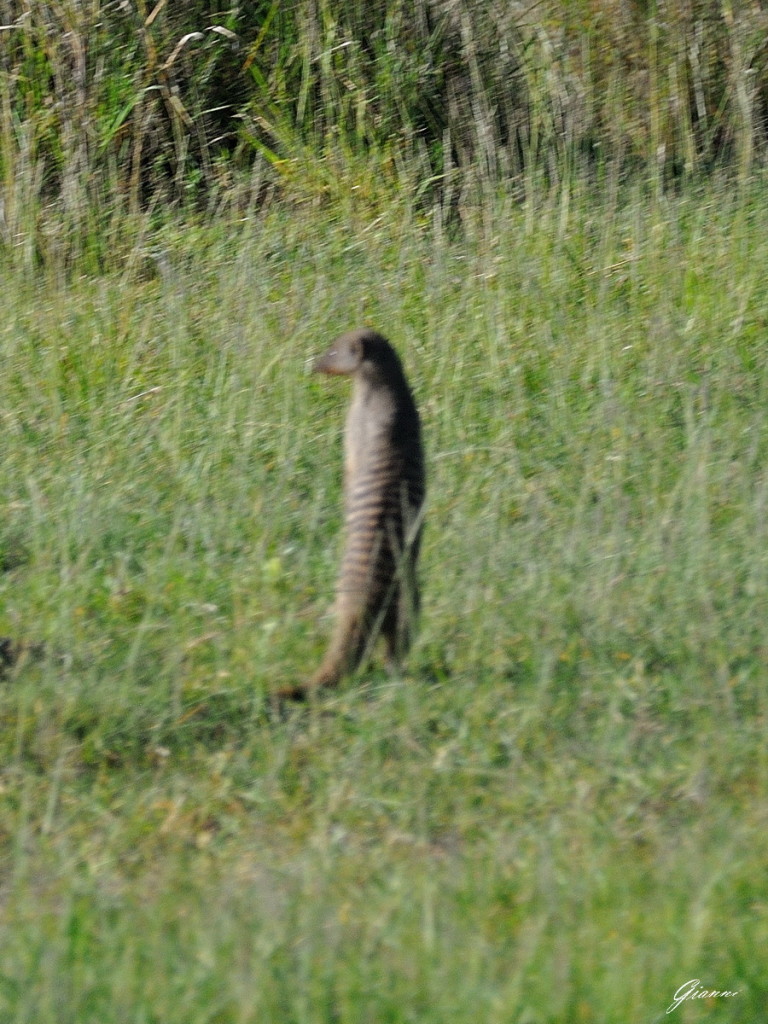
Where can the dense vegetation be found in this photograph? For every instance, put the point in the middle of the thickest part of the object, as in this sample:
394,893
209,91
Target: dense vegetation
558,214
114,107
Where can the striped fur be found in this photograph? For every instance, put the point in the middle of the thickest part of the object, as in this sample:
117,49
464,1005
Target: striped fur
384,486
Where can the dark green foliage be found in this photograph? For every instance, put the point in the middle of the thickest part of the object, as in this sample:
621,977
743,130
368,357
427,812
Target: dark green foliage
110,107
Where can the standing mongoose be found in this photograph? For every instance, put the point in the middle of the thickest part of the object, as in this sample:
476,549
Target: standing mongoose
384,487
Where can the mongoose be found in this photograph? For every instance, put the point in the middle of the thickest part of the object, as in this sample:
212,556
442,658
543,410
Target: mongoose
384,486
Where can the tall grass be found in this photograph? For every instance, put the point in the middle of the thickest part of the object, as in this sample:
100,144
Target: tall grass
559,814
109,110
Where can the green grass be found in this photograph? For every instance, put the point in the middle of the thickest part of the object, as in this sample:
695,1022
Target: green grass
559,814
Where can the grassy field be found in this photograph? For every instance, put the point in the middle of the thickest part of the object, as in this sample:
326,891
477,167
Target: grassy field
561,813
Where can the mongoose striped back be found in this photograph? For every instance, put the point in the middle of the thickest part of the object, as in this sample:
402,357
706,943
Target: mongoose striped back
384,488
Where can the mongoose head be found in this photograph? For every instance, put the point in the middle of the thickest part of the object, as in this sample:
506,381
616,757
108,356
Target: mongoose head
363,352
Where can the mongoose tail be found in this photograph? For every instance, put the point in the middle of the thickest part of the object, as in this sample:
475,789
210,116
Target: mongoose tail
384,485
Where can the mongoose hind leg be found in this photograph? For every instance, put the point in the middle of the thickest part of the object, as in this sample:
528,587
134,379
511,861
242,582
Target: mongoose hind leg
397,629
